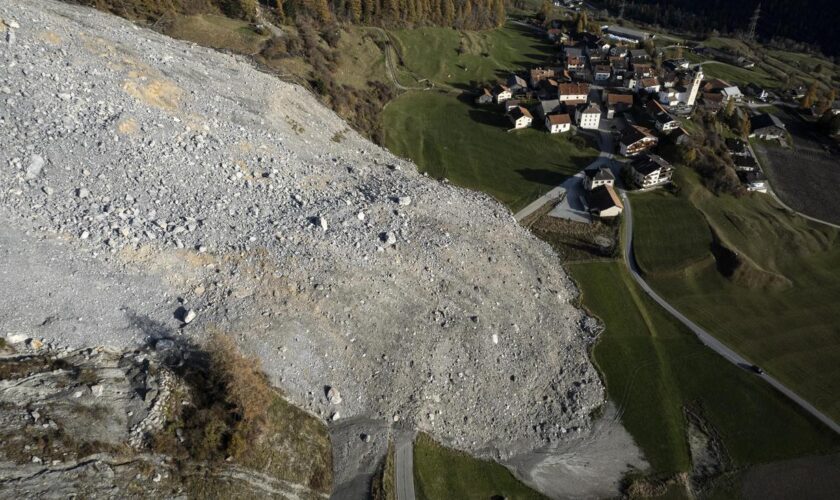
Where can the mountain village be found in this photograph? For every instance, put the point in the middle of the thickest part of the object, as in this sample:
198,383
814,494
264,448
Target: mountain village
616,84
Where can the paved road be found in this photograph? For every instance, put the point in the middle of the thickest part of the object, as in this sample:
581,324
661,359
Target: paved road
404,465
702,334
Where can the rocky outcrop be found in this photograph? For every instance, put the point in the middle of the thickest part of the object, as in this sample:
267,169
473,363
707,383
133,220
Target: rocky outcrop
152,188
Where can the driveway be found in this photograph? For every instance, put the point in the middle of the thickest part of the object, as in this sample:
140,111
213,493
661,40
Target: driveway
569,192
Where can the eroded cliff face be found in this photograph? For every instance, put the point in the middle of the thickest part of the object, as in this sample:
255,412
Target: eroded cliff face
143,178
97,422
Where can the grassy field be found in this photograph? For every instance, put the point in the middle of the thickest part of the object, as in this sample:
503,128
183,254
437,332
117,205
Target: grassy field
469,145
216,31
441,474
458,58
778,308
689,238
739,76
654,367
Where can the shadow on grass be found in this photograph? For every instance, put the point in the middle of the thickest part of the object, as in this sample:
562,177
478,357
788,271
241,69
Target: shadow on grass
542,176
489,118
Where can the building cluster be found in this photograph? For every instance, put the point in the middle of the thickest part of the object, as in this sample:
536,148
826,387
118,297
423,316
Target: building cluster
597,77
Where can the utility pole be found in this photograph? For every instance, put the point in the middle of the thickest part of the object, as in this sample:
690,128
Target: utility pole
754,22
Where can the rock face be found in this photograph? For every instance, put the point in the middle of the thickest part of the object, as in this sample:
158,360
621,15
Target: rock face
80,423
137,170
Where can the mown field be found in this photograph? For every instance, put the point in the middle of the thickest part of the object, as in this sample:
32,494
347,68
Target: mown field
775,302
451,138
442,474
689,239
654,368
460,58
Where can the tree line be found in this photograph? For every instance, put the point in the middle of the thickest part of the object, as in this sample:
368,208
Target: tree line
461,14
811,21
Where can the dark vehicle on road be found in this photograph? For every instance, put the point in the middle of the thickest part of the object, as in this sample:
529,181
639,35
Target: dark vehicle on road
757,369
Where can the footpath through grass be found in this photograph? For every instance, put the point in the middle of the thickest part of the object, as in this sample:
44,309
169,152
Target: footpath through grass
451,138
441,474
773,293
654,368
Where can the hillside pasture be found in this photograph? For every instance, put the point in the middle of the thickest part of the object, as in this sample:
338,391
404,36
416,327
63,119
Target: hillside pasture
670,233
462,58
471,146
655,368
777,306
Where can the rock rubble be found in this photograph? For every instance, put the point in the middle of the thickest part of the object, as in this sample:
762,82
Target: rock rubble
167,176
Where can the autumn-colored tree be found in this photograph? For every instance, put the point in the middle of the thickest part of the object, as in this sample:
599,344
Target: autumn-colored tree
448,12
356,11
499,13
810,96
467,15
322,10
545,11
746,126
678,52
689,155
730,108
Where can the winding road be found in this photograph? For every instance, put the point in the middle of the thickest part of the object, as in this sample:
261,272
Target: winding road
704,336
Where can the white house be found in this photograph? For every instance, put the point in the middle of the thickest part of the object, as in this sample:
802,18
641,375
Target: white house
650,170
589,118
649,85
573,92
732,93
603,202
558,123
520,117
603,72
594,177
502,93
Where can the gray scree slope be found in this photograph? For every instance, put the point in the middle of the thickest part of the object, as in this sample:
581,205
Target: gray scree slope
140,174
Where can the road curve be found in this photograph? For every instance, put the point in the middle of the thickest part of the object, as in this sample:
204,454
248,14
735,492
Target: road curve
704,336
404,465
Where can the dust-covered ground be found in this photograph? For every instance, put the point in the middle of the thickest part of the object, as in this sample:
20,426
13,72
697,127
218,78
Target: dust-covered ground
147,181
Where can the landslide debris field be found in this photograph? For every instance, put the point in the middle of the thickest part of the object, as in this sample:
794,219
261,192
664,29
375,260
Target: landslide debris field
155,189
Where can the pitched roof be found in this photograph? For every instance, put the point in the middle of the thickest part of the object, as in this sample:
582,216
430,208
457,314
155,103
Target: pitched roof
602,198
615,98
599,174
592,109
559,119
649,82
635,133
623,31
649,163
549,105
573,88
765,120
519,112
